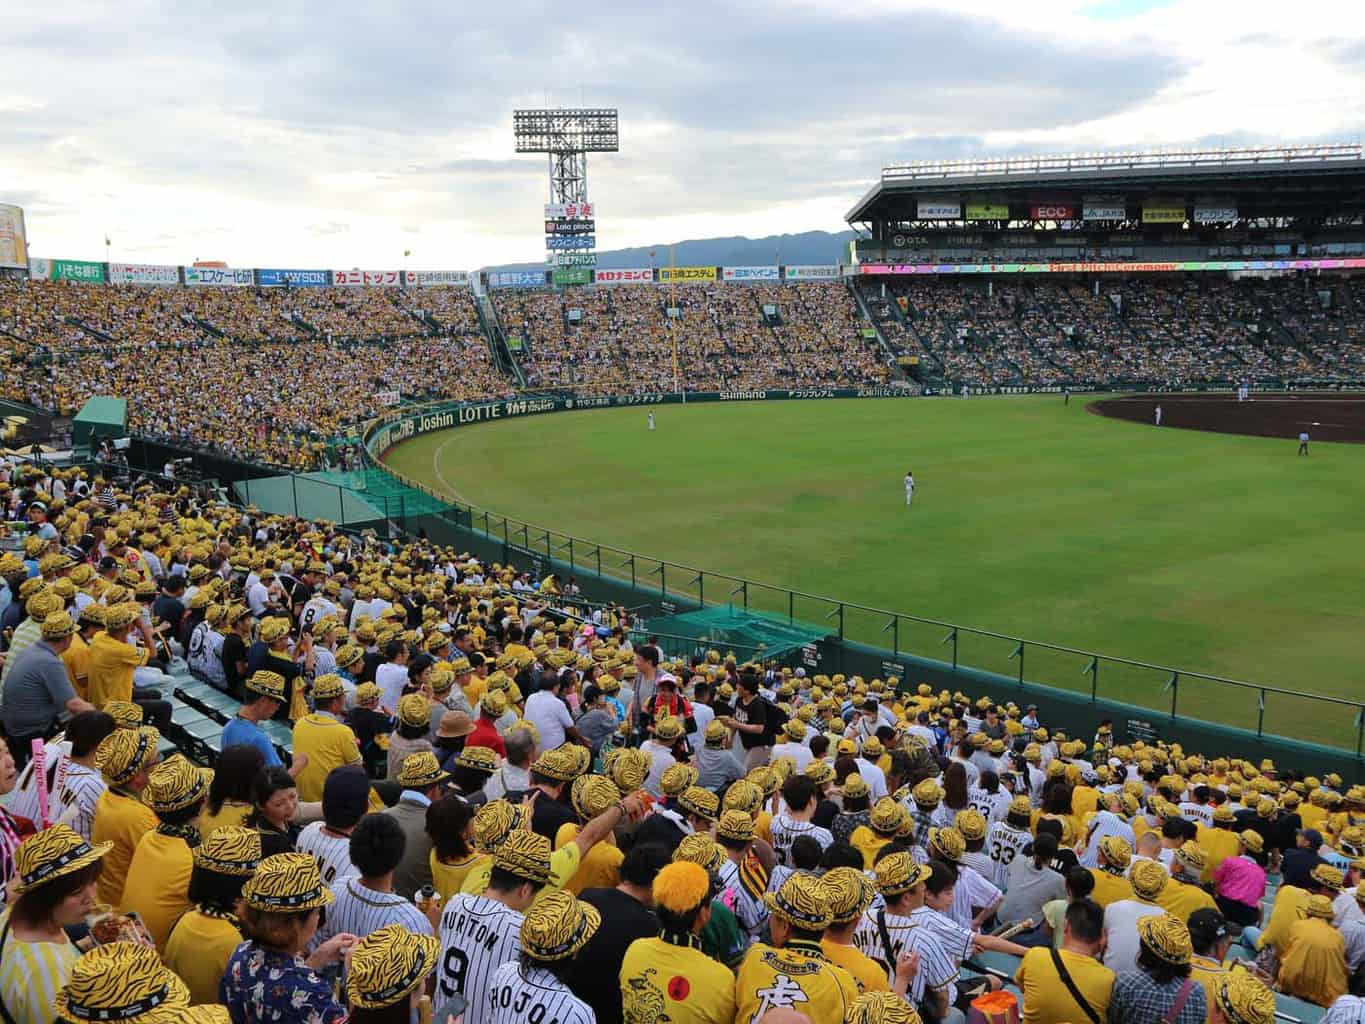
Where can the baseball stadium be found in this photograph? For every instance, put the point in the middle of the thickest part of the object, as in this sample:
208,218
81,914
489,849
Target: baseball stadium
1078,436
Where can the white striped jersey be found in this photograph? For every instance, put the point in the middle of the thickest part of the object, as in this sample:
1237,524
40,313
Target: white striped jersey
360,911
24,800
333,853
478,935
972,891
533,995
1004,842
786,831
746,902
316,608
938,969
74,804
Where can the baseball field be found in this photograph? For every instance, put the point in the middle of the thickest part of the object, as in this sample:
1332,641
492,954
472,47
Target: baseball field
1212,552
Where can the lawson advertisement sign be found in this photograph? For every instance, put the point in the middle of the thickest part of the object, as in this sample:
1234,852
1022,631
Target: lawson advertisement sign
294,278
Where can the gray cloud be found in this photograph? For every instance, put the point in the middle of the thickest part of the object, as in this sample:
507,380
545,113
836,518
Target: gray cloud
746,105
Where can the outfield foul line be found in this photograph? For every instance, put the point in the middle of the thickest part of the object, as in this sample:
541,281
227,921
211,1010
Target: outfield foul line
451,489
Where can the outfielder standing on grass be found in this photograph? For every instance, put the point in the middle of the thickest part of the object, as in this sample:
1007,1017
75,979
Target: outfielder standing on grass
909,487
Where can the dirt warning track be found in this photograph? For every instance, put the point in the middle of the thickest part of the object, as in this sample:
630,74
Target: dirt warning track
1326,417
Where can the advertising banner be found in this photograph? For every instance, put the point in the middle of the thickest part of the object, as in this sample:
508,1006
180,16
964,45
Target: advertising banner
572,259
633,275
570,211
687,273
1214,213
218,277
293,278
67,270
813,272
571,275
938,209
751,274
369,278
1052,211
570,227
13,240
571,241
988,211
1163,211
142,273
432,278
516,279
1115,267
1103,208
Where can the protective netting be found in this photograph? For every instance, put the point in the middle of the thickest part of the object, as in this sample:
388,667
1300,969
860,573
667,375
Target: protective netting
725,628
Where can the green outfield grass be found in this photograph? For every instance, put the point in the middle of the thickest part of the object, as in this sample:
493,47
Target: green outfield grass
1216,553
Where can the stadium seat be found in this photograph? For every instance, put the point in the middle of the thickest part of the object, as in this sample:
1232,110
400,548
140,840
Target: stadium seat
1289,1009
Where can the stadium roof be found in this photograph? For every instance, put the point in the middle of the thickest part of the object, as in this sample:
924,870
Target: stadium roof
1275,181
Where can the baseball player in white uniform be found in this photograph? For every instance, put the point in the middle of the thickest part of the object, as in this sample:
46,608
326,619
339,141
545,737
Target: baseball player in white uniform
909,488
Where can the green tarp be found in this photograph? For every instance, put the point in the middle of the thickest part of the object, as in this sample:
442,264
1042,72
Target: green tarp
100,417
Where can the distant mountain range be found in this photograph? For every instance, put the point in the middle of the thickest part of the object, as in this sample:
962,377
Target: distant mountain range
807,247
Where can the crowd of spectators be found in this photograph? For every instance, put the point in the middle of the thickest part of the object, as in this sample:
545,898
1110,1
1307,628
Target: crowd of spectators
266,374
623,337
532,814
1170,331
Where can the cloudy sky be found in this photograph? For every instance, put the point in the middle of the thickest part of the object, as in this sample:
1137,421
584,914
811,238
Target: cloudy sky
340,133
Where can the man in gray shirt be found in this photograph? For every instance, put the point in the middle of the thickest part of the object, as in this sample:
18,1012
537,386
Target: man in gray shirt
38,689
716,766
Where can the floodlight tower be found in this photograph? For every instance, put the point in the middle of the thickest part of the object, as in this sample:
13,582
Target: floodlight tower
568,135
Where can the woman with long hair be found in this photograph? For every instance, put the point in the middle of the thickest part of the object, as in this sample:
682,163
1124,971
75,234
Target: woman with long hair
276,802
204,938
268,979
55,886
450,823
230,794
955,787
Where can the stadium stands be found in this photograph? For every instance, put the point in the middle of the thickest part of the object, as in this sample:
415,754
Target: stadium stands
290,368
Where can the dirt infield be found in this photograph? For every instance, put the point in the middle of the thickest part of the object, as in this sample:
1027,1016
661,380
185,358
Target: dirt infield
1326,417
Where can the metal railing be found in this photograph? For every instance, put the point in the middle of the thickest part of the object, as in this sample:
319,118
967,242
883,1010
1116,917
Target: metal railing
1163,690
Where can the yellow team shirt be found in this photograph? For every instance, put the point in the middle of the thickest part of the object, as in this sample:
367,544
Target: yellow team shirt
198,951
563,866
680,984
448,879
122,820
1110,888
1313,816
771,977
870,975
1313,964
1140,827
867,843
1084,800
111,669
473,690
1182,899
329,744
1218,844
1046,999
1210,974
158,884
76,658
763,826
1283,913
599,868
230,815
